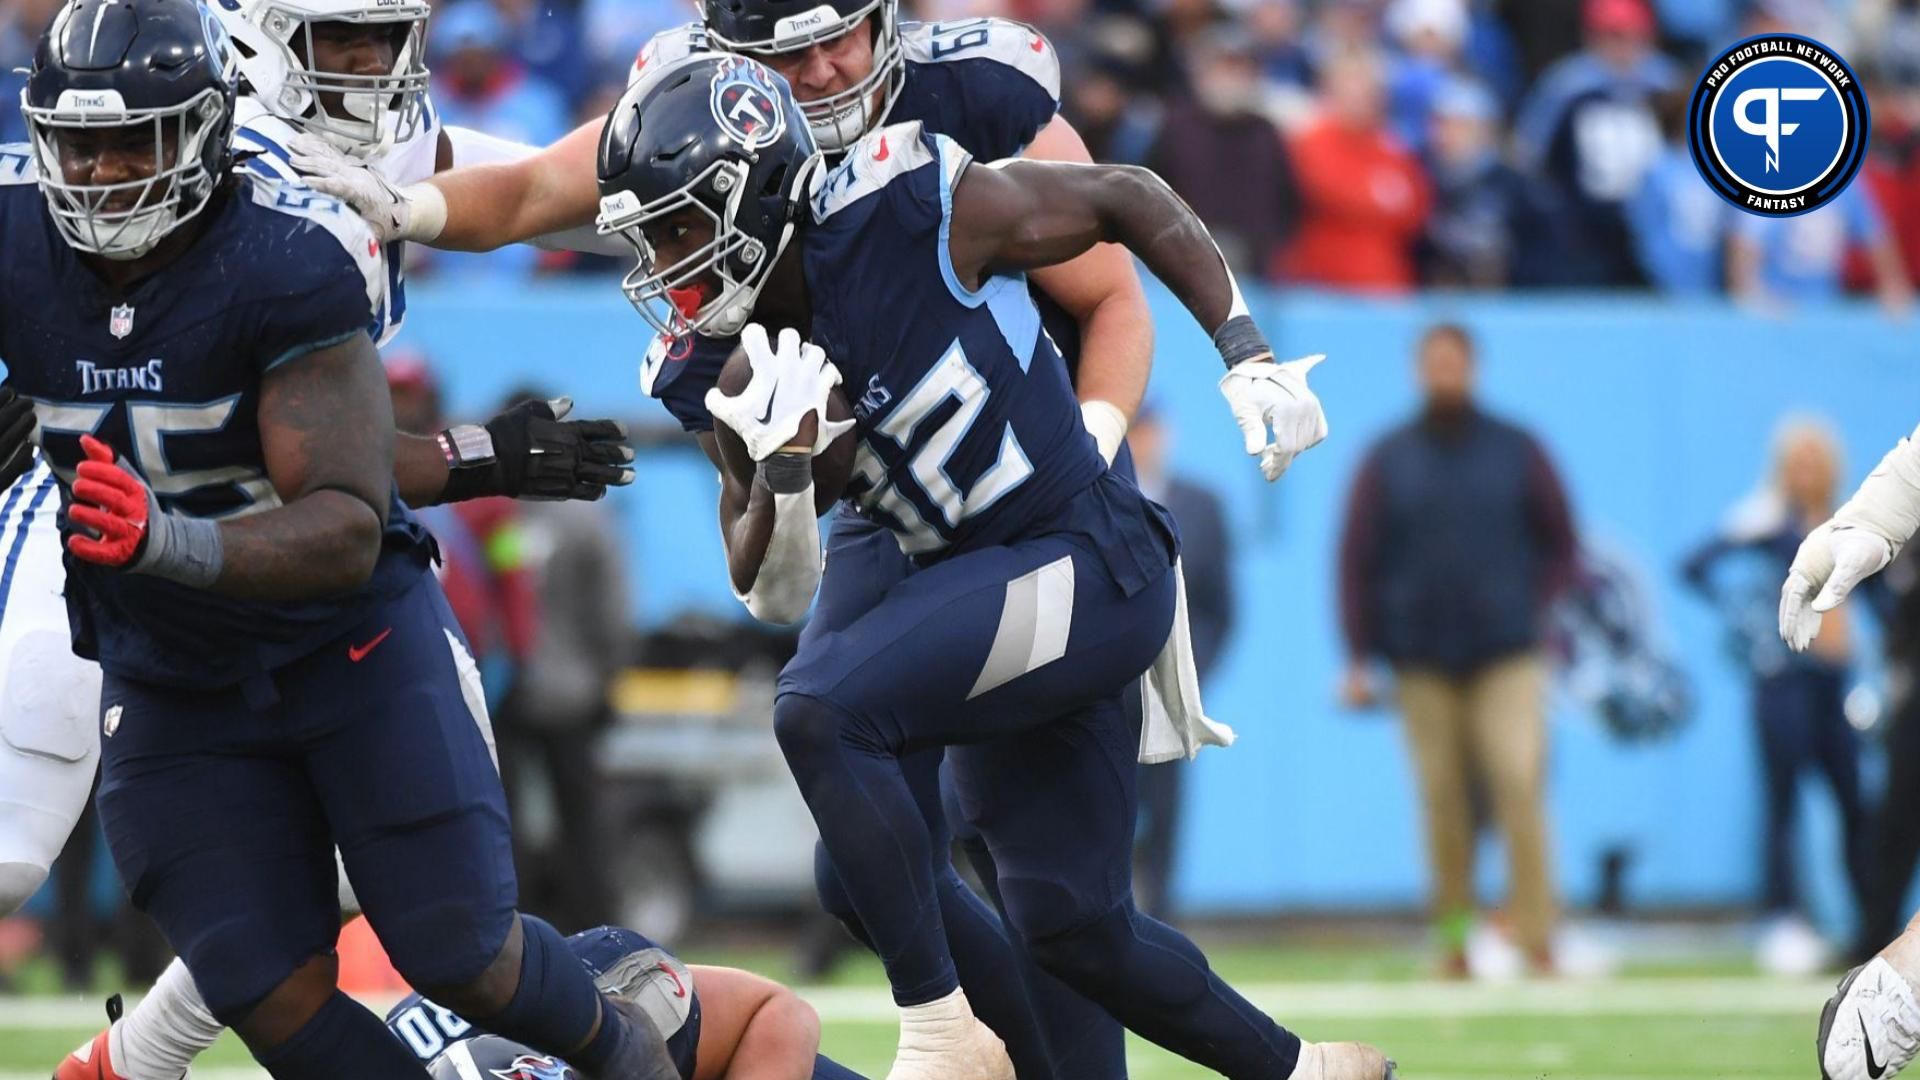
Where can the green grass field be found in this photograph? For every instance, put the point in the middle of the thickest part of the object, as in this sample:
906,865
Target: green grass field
1652,1025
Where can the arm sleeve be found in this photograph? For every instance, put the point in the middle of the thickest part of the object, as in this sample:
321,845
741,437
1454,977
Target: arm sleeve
1359,550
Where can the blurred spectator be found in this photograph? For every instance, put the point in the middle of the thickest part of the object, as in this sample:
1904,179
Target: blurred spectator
1588,134
482,558
1117,128
1429,34
1225,158
1799,260
562,700
1363,198
1457,538
1477,197
1273,26
478,83
1892,171
1798,698
1544,30
546,38
1679,225
1207,560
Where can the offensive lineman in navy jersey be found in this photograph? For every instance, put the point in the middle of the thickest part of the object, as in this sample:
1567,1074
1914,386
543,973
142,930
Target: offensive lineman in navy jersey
281,672
1046,582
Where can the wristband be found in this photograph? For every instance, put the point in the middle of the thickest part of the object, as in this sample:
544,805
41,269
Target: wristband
183,549
786,473
426,212
466,446
1107,424
1238,339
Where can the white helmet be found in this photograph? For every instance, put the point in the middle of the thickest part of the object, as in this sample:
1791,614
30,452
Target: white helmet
275,41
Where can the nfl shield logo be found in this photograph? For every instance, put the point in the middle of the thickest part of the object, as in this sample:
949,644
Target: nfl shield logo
112,723
120,321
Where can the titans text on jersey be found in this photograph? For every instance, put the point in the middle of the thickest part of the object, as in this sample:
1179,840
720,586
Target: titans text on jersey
169,375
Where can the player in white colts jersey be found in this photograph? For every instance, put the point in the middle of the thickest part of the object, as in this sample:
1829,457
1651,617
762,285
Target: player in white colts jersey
353,73
1870,1028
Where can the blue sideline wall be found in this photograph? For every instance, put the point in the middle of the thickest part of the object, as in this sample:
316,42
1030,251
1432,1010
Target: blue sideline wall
1658,415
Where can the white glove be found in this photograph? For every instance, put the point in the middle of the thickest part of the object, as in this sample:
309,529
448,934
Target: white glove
1831,561
1262,395
788,382
415,212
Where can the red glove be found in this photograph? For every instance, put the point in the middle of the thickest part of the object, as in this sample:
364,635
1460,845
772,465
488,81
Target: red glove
107,523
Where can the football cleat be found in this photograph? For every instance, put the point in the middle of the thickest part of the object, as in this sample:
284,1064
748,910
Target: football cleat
1870,1027
1342,1061
90,1061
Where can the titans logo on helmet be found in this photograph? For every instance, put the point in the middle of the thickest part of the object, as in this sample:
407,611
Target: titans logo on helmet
746,104
535,1067
1778,125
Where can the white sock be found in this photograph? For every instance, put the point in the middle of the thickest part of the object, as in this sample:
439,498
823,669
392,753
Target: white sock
165,1031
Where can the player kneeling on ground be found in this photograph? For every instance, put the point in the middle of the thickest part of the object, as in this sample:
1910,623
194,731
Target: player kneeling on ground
720,1023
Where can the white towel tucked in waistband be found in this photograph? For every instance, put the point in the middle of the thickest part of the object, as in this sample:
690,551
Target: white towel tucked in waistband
1175,725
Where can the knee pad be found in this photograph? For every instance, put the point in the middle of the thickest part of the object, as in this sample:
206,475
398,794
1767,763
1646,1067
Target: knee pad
808,729
18,883
50,700
1069,945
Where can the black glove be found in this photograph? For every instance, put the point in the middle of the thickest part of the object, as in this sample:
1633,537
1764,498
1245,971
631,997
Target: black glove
16,436
530,452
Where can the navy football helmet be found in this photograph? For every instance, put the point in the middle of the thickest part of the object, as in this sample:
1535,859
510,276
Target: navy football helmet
490,1057
720,134
161,71
773,27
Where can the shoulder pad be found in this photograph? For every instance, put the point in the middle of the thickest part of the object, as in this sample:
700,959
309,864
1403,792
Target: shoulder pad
329,215
667,46
16,164
260,141
1003,41
878,159
412,161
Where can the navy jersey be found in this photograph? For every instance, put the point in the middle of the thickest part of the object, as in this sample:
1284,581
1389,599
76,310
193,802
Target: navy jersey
988,84
969,432
622,961
169,375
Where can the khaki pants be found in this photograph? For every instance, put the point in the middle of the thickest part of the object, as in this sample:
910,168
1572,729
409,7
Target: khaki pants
1489,728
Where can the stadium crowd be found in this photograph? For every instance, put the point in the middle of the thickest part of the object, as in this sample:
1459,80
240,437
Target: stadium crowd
1375,145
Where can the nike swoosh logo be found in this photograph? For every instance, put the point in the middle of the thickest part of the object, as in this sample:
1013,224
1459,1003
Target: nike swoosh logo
767,417
1874,1068
357,653
881,153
